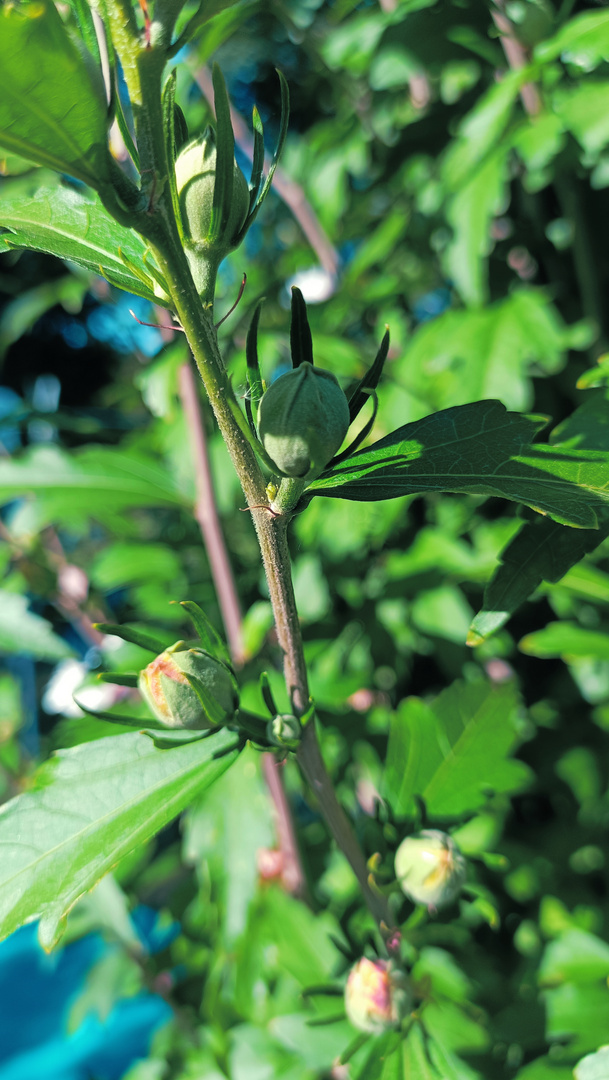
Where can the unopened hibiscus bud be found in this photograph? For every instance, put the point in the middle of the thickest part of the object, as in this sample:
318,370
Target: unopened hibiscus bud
302,419
284,730
195,182
430,868
377,997
209,700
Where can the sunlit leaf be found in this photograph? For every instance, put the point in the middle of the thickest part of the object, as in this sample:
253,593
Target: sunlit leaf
74,225
481,449
88,807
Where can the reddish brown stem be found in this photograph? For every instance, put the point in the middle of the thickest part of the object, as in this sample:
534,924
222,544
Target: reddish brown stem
206,514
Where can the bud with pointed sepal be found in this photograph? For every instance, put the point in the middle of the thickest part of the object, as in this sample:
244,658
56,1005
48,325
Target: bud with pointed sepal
377,996
303,418
196,183
430,868
188,688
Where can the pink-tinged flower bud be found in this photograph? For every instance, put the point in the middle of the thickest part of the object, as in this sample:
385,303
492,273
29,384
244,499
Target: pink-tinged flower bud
377,996
303,418
209,700
430,868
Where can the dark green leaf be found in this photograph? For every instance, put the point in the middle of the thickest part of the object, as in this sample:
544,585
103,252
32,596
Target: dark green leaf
90,806
480,449
543,550
453,752
74,225
52,104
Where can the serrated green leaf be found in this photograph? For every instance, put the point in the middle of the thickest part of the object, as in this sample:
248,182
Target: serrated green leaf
90,806
467,355
453,752
74,225
479,449
52,105
23,632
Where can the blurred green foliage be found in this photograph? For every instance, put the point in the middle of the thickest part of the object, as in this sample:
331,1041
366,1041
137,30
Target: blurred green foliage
477,228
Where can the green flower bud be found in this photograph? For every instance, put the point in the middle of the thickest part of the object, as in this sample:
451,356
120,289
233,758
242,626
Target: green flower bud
195,182
377,996
172,698
284,730
302,419
430,868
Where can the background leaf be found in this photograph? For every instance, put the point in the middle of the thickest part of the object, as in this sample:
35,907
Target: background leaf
453,752
23,632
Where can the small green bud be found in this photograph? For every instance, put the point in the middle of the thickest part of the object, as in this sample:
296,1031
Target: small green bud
303,418
430,868
377,996
195,182
285,731
172,698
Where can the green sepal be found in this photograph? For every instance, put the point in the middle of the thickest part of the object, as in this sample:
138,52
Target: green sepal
358,396
309,714
353,1047
283,130
137,271
119,678
207,634
301,342
113,718
155,273
119,113
213,711
257,159
250,437
325,989
225,159
358,440
164,740
323,1021
168,103
136,637
267,694
180,128
255,388
251,725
